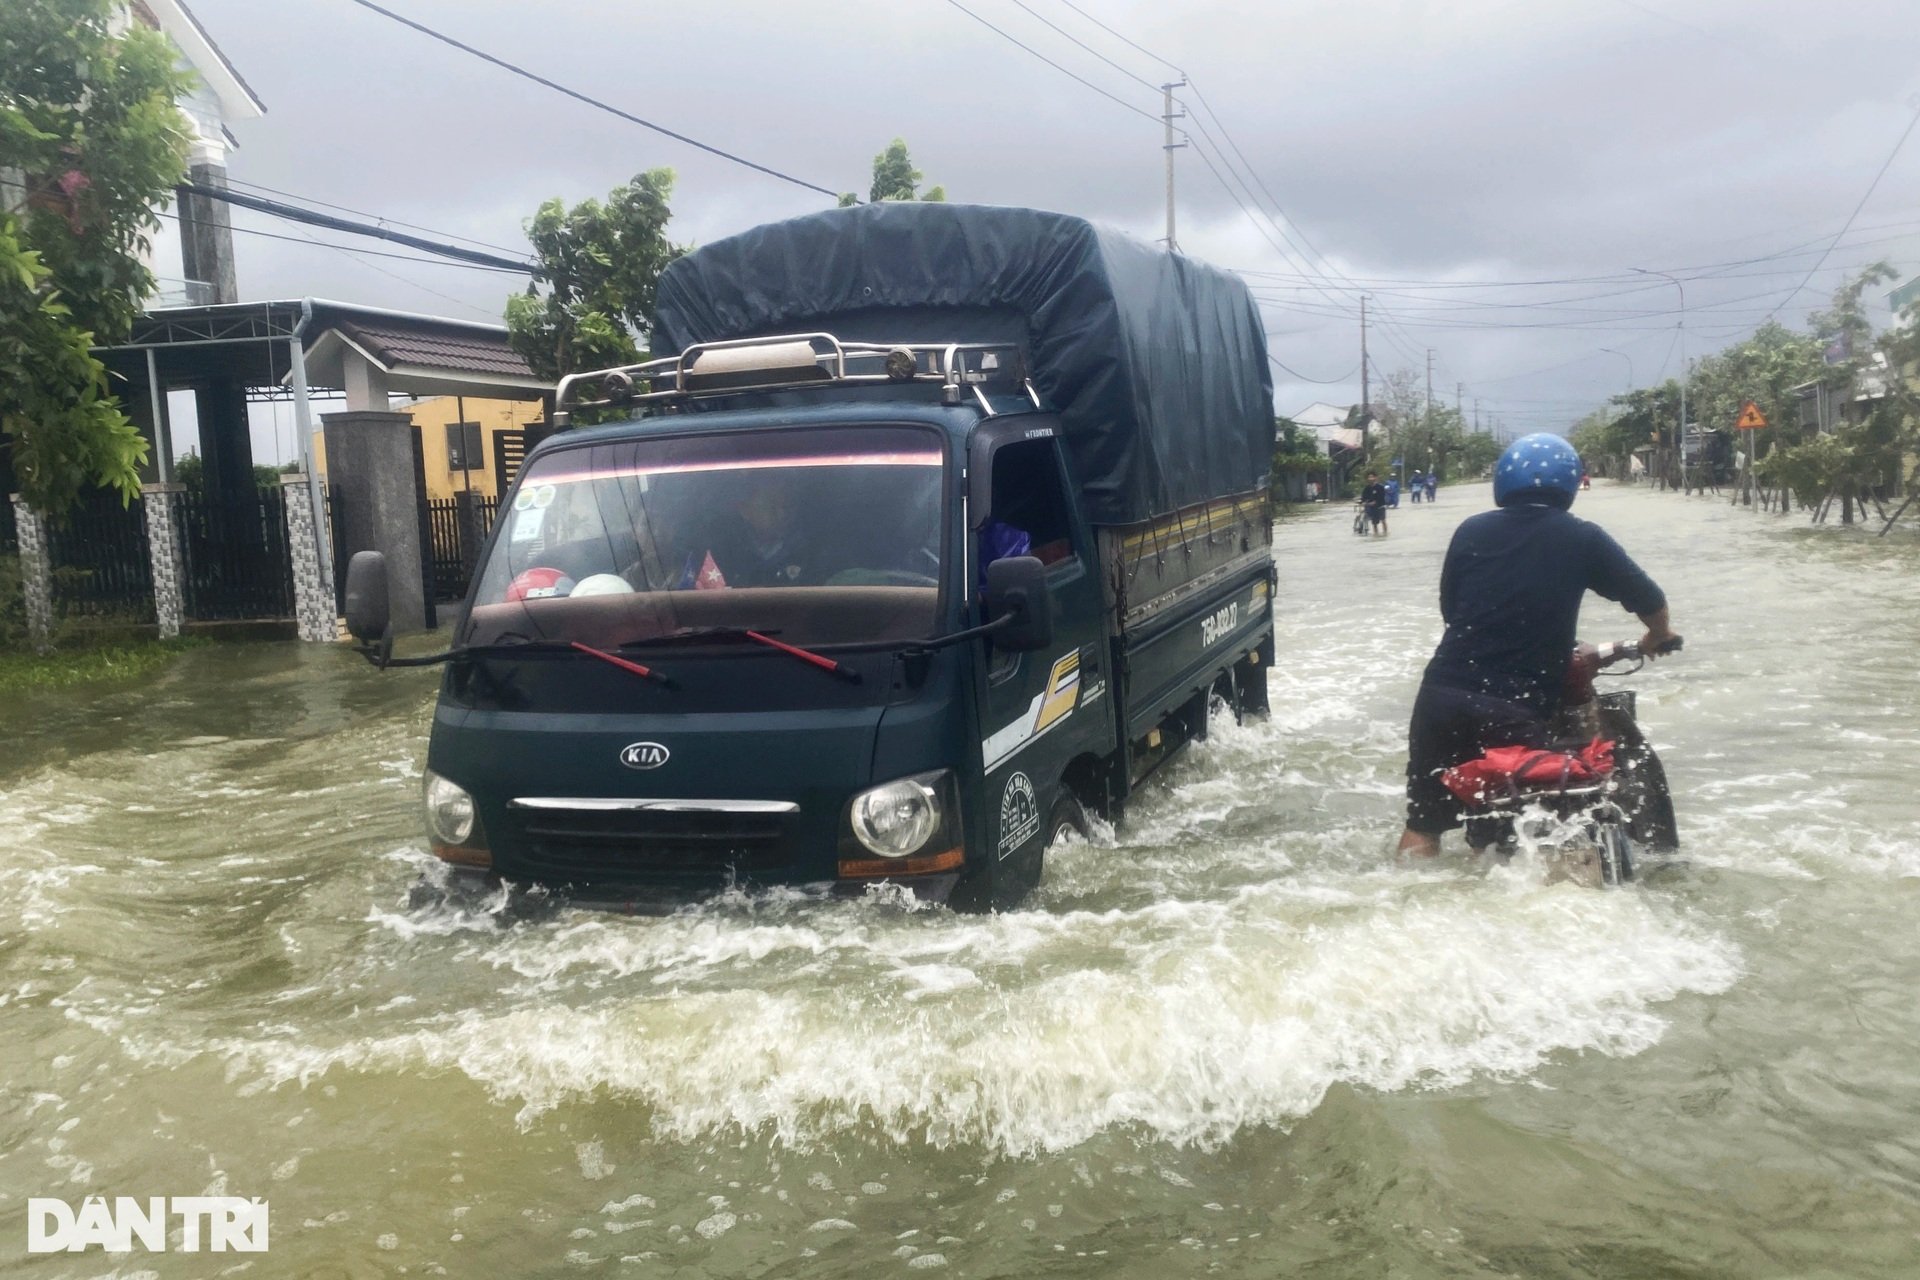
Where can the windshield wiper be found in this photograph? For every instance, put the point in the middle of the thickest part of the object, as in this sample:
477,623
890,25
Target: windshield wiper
627,665
819,660
758,637
513,648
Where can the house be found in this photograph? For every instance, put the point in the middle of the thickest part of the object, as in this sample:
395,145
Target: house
1822,408
192,254
467,444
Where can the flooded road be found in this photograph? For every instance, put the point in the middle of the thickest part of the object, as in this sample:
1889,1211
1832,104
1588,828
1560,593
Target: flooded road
1235,1040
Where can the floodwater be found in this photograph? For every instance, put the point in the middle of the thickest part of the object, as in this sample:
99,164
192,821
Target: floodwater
1235,1040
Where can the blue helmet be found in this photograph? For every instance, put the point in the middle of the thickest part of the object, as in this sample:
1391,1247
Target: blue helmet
1537,468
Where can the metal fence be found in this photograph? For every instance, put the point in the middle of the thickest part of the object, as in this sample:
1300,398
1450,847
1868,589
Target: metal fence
99,559
236,563
456,548
449,571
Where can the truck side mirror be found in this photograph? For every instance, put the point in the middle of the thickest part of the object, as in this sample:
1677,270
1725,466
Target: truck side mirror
367,605
1017,589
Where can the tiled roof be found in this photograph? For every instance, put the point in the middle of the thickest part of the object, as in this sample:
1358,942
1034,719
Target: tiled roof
461,351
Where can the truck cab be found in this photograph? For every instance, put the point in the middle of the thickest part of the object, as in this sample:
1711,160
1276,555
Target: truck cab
806,609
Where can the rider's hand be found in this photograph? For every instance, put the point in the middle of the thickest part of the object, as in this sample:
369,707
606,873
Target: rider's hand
1652,643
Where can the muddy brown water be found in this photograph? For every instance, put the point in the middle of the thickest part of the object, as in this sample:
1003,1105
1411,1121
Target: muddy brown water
1235,1039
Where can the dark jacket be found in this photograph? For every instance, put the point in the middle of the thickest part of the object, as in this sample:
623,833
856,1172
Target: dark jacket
1374,495
1510,594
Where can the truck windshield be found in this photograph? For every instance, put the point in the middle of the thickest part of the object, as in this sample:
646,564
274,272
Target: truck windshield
818,536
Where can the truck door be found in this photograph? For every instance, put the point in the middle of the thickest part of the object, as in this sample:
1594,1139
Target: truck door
1042,708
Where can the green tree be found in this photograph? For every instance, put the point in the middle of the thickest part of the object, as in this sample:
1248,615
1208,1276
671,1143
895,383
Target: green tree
591,304
895,178
89,125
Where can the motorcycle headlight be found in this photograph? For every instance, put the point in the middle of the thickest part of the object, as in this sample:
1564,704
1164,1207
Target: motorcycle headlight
449,810
897,818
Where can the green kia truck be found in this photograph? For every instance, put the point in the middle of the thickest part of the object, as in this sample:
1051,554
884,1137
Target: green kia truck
942,529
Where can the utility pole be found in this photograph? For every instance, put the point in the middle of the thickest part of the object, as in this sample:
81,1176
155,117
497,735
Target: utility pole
1366,402
1429,397
1476,415
1169,115
1429,388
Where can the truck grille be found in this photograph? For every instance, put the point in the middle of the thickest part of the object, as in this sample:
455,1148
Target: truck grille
667,847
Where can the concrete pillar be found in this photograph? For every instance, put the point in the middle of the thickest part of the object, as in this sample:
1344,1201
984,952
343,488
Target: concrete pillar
166,555
312,585
36,573
226,442
206,236
370,470
364,382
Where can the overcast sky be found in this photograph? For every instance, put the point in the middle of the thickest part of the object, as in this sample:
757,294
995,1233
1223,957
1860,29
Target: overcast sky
1413,145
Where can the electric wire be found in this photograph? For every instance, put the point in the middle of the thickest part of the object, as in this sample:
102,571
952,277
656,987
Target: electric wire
1026,8
379,217
1871,188
589,100
1301,377
1014,40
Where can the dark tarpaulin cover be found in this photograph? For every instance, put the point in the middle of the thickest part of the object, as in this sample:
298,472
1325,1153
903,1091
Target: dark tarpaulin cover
1156,363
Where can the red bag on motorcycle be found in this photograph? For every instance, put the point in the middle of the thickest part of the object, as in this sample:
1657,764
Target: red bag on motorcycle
1503,771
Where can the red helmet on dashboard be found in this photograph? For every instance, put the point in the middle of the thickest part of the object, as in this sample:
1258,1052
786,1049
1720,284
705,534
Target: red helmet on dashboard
539,584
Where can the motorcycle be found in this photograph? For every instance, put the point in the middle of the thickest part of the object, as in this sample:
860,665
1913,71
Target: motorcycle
1589,809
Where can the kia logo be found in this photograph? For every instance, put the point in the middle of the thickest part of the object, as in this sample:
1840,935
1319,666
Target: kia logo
643,755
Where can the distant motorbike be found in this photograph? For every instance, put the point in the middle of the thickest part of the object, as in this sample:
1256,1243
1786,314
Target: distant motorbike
1590,808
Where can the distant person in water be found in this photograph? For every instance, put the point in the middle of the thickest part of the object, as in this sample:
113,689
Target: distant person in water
1510,592
1413,487
1433,485
1373,499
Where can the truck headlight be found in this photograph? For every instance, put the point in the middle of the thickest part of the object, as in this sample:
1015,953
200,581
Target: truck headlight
449,811
897,818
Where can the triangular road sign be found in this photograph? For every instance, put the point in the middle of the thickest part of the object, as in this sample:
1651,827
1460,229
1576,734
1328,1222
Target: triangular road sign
1751,419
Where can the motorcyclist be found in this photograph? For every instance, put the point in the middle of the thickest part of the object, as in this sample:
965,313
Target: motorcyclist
1510,592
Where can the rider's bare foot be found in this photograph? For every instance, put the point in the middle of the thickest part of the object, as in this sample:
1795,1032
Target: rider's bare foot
1418,844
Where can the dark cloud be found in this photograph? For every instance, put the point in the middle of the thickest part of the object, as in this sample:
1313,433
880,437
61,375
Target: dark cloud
1412,141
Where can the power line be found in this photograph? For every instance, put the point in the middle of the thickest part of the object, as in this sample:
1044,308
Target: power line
577,96
1022,5
364,213
1122,39
1301,377
313,217
1036,53
369,253
1871,188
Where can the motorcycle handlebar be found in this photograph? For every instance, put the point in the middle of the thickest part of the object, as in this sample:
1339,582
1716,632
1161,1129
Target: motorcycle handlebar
1629,650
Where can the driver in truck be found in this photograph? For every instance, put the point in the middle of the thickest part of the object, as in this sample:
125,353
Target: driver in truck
1510,592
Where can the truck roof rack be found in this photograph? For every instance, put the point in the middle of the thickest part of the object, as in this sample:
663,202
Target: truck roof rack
795,362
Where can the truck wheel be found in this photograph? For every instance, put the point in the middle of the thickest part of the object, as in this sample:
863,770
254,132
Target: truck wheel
1020,875
1068,821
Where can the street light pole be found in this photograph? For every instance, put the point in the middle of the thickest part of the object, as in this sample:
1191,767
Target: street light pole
1686,372
1629,359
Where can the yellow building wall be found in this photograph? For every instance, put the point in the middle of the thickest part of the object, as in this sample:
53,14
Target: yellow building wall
431,418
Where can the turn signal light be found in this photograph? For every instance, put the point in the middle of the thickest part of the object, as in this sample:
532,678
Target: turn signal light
462,855
925,865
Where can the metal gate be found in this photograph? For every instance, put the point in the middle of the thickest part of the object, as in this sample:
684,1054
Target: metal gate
236,563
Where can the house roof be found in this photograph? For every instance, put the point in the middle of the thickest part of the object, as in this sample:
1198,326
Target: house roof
238,101
420,354
393,345
426,355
